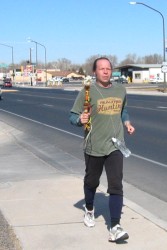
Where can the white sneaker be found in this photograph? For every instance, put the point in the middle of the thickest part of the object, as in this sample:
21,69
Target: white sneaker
89,219
117,234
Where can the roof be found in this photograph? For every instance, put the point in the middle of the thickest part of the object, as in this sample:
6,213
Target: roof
63,73
140,66
59,73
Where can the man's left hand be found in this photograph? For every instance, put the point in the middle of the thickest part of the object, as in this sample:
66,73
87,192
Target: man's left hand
129,127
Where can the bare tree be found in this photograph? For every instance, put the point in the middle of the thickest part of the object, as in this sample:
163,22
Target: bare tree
148,59
155,59
64,64
89,62
129,59
75,67
60,64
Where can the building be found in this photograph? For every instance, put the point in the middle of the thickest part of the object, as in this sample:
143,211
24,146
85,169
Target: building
29,74
65,73
140,73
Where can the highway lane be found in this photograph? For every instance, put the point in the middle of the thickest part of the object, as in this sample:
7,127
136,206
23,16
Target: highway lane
50,107
148,114
48,110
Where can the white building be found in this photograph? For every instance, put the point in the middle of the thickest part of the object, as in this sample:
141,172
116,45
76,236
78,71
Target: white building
140,73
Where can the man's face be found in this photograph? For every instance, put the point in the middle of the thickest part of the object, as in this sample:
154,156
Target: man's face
103,71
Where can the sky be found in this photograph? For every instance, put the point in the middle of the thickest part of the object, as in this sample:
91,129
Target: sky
77,29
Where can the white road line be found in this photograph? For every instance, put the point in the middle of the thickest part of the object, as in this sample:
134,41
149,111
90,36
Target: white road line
64,131
147,108
44,96
48,105
149,160
161,107
67,132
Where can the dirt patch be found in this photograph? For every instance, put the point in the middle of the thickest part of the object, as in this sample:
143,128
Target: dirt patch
8,239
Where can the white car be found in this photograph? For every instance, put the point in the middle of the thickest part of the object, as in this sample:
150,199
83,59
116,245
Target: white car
156,80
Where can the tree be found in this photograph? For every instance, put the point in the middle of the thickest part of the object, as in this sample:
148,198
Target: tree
129,59
75,67
150,59
64,64
80,71
154,59
89,62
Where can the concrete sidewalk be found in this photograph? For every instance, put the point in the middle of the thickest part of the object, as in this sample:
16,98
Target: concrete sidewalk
44,206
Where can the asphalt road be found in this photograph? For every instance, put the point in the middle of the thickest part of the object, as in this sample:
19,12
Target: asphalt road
43,114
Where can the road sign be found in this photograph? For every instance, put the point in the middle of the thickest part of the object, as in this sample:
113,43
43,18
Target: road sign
164,68
29,68
164,64
3,65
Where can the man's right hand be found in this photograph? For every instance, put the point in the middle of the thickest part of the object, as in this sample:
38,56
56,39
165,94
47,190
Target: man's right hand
84,118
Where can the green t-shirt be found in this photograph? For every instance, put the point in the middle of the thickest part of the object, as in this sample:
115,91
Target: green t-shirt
106,108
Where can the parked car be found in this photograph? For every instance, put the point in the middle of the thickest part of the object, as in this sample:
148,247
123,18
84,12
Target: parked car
57,79
65,79
121,80
112,79
156,80
7,83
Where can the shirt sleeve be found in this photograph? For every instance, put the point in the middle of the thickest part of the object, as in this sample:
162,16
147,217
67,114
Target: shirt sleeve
75,119
125,116
78,106
77,109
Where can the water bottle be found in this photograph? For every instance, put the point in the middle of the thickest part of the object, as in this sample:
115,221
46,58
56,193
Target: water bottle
121,146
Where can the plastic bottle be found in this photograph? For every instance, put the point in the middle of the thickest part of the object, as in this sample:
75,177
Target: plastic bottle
121,146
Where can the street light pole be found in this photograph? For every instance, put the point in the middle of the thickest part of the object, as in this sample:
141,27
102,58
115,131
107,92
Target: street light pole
36,55
12,57
163,25
45,63
37,43
32,71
